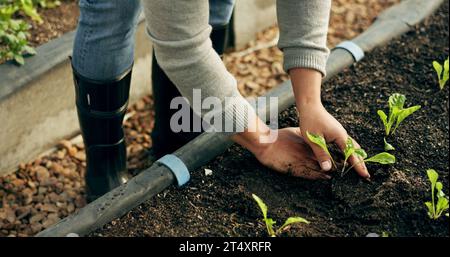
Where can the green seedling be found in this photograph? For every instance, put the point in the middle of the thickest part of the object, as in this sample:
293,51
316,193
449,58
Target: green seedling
270,222
381,158
397,113
13,38
442,72
436,208
320,141
387,146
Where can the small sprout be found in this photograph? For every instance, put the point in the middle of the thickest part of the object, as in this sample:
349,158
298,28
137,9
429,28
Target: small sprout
381,158
320,141
396,113
435,209
350,150
387,146
270,222
384,234
442,72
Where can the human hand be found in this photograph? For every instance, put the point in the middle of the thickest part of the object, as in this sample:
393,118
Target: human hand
290,154
314,118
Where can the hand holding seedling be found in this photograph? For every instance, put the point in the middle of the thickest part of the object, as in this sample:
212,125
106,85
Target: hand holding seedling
315,119
290,154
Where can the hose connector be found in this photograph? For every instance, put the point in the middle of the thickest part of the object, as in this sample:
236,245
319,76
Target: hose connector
353,49
177,166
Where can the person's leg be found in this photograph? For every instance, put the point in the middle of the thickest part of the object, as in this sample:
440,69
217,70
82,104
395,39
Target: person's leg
104,41
163,138
102,61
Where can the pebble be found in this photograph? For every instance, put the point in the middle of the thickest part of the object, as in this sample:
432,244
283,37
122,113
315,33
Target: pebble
42,173
208,172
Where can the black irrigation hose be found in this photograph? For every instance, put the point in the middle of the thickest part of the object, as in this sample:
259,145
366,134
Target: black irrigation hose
391,23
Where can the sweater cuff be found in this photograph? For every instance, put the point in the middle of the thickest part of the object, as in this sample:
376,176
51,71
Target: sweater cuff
304,58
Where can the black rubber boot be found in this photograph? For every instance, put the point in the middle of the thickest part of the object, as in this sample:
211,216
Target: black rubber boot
101,107
164,139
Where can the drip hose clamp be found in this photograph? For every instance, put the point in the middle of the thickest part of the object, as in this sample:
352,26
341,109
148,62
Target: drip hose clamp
353,49
177,166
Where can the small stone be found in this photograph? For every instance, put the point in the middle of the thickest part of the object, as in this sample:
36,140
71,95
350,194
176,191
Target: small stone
18,183
10,215
36,227
42,173
51,219
31,184
208,172
57,167
71,207
23,212
49,208
372,235
140,105
72,151
36,218
81,156
72,235
42,190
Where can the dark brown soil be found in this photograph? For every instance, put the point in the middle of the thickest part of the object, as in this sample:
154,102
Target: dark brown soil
221,204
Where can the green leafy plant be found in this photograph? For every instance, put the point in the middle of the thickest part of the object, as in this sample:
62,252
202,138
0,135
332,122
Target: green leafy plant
320,141
14,32
436,208
442,72
387,146
270,222
13,40
397,113
381,158
28,7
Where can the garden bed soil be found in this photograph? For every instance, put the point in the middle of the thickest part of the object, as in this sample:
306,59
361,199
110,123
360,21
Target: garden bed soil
56,22
393,202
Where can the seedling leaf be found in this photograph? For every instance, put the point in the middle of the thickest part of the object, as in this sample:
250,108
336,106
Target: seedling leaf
383,118
263,207
318,140
382,158
442,72
435,209
397,100
270,222
387,146
292,220
403,114
361,153
396,112
432,176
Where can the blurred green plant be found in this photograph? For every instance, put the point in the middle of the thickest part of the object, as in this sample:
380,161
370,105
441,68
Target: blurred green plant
442,72
270,222
14,30
437,206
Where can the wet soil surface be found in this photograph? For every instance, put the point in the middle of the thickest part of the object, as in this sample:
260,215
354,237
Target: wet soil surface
393,202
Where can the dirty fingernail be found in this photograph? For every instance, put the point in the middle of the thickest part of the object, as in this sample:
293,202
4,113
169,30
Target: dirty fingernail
326,165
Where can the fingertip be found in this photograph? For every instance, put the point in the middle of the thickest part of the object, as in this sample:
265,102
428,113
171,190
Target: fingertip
325,165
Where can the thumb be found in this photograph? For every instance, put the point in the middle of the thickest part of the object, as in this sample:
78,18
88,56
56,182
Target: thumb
322,156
